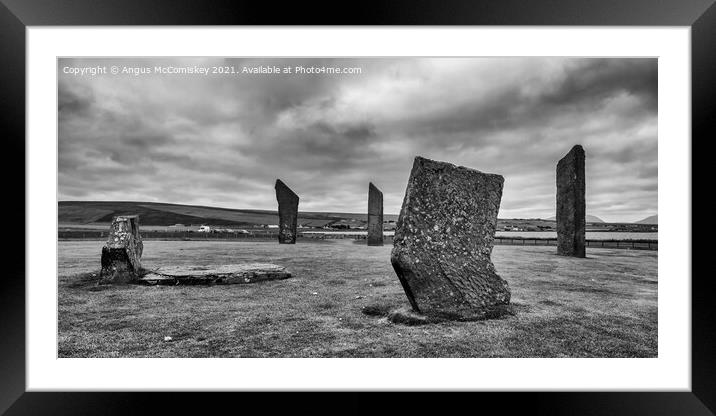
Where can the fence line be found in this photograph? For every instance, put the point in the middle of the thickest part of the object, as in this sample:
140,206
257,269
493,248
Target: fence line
626,244
499,240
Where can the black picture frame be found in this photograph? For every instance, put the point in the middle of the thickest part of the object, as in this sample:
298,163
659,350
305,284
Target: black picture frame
16,15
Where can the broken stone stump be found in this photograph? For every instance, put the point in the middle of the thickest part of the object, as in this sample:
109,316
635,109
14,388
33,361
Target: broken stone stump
287,213
375,216
225,274
443,242
571,205
122,253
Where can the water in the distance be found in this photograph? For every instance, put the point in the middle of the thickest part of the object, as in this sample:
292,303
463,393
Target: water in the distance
599,235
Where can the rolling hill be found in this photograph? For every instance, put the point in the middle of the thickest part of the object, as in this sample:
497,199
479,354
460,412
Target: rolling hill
654,219
153,213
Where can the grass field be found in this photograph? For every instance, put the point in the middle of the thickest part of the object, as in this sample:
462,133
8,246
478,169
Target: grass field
602,306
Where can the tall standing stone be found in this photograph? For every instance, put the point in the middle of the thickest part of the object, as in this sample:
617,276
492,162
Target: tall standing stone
443,242
121,255
375,216
287,213
571,205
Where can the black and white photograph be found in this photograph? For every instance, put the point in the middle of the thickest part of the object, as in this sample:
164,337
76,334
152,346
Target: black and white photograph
346,207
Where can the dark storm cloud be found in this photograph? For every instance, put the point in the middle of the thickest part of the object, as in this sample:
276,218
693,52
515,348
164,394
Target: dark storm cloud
73,102
204,139
597,79
587,85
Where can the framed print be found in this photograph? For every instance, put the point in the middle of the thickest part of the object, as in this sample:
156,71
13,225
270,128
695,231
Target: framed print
426,198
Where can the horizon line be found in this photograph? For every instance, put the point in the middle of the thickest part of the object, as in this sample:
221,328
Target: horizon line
332,211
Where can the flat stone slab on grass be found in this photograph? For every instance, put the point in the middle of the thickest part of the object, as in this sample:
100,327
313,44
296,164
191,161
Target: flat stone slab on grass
226,274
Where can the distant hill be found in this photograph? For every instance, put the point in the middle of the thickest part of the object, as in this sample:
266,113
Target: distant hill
654,219
588,218
153,213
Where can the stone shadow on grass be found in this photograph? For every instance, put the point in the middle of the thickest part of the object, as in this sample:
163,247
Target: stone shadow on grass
407,316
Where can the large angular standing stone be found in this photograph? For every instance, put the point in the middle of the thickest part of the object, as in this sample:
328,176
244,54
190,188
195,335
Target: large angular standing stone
287,213
121,255
571,206
375,216
443,242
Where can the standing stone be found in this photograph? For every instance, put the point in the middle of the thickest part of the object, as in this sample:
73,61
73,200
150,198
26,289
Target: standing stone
375,216
122,253
571,206
287,213
443,242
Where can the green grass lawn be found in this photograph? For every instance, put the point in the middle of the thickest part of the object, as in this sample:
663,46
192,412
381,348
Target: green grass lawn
602,306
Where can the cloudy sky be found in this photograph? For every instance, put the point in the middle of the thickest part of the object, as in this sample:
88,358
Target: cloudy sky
222,140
